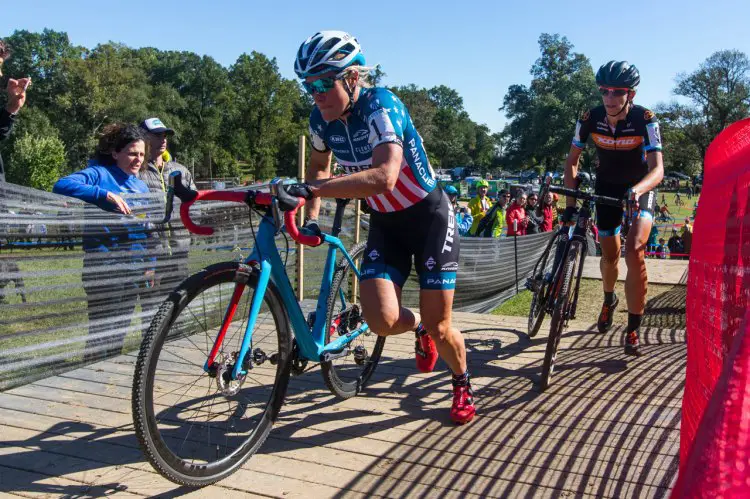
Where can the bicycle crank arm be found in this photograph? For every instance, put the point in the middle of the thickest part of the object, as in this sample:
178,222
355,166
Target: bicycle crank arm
337,348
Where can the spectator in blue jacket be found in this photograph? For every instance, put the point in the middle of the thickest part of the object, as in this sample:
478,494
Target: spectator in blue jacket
461,213
113,171
117,266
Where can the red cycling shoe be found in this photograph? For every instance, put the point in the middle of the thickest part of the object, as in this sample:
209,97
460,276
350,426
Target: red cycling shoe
425,350
633,344
463,409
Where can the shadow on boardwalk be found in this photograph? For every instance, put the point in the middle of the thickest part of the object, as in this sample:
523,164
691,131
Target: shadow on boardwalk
608,426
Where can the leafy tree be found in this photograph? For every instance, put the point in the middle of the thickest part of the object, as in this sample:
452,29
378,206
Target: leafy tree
261,120
41,56
376,76
720,93
36,161
542,116
101,88
681,128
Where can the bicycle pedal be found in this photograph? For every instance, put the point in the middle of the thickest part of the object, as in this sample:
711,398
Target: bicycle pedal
329,356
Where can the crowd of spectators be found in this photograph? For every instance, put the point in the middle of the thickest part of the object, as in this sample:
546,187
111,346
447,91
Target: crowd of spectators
525,214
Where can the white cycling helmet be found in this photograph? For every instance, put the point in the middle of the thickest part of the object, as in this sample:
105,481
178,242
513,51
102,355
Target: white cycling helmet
328,51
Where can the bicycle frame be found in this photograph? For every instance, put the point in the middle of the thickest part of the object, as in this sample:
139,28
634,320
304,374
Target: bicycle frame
573,233
577,233
310,341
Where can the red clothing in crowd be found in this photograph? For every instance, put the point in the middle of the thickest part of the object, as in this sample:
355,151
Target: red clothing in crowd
549,215
516,212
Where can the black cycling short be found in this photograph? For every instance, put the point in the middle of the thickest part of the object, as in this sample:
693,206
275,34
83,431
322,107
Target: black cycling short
426,232
609,218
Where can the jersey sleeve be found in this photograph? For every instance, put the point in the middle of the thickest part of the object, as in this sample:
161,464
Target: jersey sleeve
386,119
583,128
317,132
652,134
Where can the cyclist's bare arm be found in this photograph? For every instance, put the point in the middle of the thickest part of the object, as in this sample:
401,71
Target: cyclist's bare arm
571,172
655,173
319,168
380,178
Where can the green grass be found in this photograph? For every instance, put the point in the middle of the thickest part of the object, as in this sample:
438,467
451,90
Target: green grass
66,305
679,212
519,305
590,301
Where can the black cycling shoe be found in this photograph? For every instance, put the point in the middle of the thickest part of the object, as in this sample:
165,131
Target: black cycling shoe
607,315
632,344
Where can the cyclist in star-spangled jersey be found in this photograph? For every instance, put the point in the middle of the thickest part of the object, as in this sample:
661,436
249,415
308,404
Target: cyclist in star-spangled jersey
371,135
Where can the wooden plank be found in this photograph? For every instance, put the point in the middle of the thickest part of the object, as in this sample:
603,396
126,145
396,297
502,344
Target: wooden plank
659,271
61,456
19,482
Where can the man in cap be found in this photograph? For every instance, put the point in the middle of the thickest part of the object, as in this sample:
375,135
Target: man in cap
161,164
172,260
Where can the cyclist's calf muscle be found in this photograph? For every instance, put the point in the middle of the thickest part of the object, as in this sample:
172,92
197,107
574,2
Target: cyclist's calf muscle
435,308
381,307
609,263
636,282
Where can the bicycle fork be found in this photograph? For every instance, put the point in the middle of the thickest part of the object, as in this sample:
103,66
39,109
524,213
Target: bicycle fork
242,277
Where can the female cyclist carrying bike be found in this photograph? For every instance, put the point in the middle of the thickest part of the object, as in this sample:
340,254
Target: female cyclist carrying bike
370,133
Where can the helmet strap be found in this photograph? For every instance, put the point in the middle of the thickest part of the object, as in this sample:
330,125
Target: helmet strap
350,90
627,102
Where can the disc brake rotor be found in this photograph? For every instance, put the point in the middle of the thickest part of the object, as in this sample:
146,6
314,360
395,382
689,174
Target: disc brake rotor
226,385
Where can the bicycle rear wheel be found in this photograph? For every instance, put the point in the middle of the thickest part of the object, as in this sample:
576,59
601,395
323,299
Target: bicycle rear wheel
560,311
346,376
197,427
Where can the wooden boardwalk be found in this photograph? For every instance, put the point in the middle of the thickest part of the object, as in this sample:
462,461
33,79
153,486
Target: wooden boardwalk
608,427
659,271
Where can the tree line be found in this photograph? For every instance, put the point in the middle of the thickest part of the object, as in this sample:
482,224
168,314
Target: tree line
244,120
542,115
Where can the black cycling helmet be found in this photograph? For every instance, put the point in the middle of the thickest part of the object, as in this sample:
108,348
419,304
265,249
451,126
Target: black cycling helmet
619,74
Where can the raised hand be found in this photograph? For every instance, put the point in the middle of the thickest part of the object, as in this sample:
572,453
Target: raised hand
16,94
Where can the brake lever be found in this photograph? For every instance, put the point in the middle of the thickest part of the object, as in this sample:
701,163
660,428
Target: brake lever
169,207
278,218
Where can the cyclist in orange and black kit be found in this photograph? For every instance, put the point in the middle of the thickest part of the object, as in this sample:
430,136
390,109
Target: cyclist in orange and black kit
628,144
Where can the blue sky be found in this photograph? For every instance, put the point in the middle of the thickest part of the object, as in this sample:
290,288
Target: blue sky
477,47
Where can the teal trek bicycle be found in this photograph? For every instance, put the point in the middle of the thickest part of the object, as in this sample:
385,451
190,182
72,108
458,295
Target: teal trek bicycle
214,365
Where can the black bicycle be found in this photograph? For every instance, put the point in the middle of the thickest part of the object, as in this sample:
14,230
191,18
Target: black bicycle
555,291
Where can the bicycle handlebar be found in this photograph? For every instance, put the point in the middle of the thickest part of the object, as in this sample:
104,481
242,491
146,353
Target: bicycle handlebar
578,194
250,197
575,193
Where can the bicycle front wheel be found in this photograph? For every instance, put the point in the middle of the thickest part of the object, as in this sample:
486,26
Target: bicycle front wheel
197,427
347,375
561,296
539,299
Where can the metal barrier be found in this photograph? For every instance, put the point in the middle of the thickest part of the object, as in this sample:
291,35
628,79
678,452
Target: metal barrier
78,284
